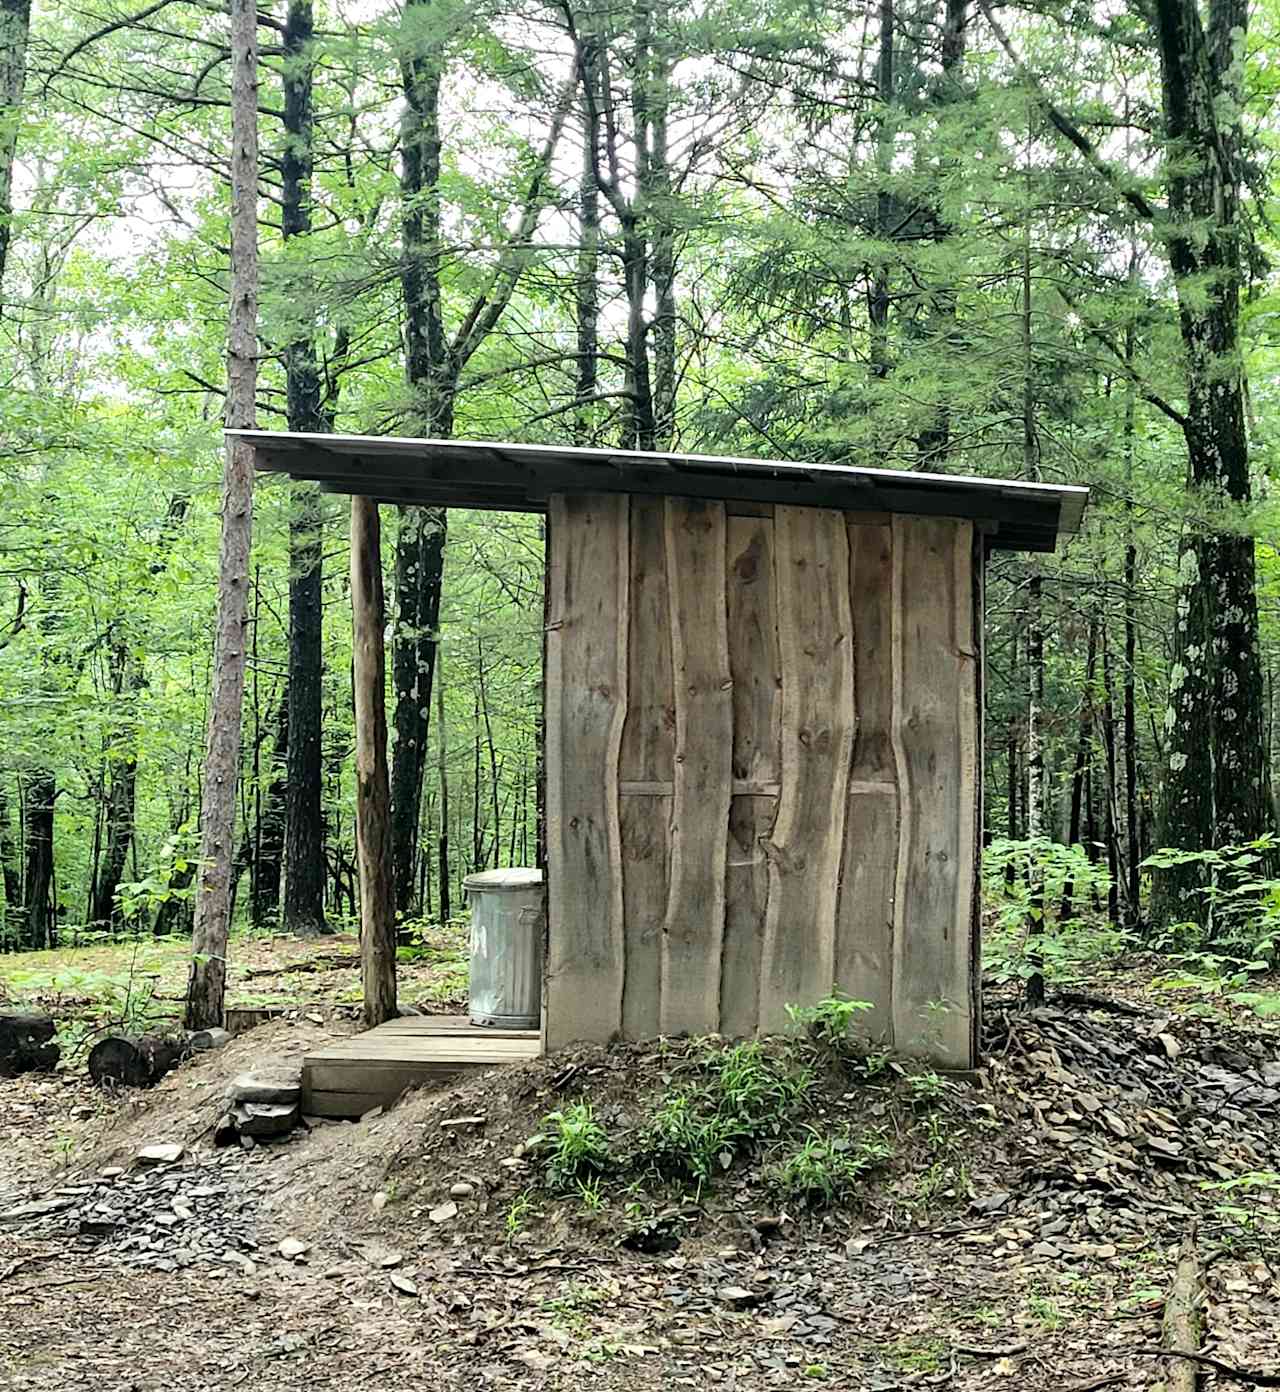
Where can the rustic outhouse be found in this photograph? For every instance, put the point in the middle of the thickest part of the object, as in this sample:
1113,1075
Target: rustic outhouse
763,737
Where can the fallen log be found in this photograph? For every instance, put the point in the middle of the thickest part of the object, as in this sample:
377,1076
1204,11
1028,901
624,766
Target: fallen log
1180,1328
27,1043
135,1060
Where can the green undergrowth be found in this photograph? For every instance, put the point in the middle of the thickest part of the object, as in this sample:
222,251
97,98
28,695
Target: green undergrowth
802,1123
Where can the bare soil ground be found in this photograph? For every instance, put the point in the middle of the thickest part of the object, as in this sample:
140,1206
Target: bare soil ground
1023,1235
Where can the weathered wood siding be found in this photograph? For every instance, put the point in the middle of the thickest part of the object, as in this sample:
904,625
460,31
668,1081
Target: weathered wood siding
763,745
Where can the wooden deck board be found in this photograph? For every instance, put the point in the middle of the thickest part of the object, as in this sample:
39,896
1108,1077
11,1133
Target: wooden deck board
352,1076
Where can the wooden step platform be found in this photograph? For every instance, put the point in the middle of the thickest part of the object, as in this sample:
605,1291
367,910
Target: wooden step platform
352,1076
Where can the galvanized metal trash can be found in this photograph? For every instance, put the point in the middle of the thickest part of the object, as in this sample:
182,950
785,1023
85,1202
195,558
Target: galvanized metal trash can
507,931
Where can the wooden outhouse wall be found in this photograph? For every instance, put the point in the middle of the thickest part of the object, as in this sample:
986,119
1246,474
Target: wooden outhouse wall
762,753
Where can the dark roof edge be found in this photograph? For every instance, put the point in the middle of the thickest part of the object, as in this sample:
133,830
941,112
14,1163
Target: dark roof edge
1067,500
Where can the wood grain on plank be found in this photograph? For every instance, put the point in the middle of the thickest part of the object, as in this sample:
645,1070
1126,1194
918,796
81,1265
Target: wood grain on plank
818,726
864,916
936,726
646,766
586,693
693,927
755,667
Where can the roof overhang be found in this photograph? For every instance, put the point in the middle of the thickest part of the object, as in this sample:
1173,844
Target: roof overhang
519,478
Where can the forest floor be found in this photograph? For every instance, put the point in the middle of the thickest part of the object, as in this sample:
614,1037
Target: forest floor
1019,1229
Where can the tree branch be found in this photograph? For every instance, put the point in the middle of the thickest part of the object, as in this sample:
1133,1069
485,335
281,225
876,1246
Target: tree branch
1135,198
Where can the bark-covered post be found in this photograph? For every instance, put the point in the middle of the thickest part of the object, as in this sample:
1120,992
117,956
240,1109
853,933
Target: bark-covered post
207,984
373,795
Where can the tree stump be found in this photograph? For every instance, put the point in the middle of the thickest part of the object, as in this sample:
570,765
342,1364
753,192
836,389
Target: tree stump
26,1043
135,1061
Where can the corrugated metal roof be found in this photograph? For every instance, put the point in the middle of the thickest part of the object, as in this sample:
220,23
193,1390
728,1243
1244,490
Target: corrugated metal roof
519,478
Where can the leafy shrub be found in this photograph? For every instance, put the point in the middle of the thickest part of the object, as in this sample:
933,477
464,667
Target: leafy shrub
1021,878
1244,901
825,1169
743,1098
831,1020
577,1147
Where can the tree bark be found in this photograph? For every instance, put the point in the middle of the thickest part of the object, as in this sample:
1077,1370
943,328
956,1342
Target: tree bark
373,797
270,831
442,757
304,867
206,988
11,872
15,30
1083,741
39,794
1216,786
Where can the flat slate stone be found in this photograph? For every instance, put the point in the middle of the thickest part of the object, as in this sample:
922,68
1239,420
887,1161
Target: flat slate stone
265,1119
279,1084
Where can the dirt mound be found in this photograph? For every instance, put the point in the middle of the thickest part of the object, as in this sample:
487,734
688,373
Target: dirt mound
186,1104
1085,1130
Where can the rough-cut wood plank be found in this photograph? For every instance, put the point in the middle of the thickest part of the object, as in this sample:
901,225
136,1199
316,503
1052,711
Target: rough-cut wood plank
693,927
586,686
752,636
741,787
373,795
935,724
818,728
978,568
755,666
646,765
746,903
864,921
450,1025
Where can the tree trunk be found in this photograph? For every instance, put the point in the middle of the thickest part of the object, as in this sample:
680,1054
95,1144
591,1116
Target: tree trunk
11,872
373,799
1109,808
878,294
1215,789
1083,741
270,831
39,794
207,984
1133,882
442,757
15,29
587,285
420,554
304,867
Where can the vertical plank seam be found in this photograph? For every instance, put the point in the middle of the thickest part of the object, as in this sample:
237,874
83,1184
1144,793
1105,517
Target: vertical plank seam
553,746
896,620
786,785
842,759
622,607
978,582
775,723
969,741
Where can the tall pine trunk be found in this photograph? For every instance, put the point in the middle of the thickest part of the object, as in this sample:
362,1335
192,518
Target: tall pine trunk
207,985
304,868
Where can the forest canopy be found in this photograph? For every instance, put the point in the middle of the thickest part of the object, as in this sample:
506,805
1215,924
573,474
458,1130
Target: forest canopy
1026,241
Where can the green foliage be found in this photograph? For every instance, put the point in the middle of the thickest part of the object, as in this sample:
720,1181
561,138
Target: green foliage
743,1098
577,1149
1244,901
1026,881
831,1020
823,1170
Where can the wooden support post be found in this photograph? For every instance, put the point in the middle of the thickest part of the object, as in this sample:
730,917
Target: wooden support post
373,794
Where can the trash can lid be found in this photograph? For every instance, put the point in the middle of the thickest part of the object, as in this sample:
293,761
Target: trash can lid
517,877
